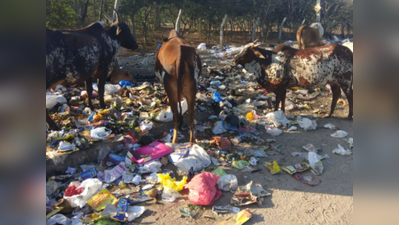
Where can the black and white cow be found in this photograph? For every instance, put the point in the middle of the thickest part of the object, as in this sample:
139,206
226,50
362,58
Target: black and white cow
75,56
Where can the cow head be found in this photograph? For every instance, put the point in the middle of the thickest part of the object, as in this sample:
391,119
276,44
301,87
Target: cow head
122,32
252,52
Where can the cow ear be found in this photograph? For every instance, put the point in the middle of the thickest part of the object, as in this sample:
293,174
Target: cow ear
257,53
118,31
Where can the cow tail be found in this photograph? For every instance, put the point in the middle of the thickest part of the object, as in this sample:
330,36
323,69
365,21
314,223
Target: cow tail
179,67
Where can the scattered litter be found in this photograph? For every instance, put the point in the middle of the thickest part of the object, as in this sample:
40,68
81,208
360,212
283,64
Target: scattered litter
225,209
339,134
309,180
330,126
297,168
240,218
203,189
306,123
273,167
342,151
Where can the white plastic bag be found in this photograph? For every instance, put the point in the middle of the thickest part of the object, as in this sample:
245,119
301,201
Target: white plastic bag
150,167
342,151
314,162
197,158
278,118
170,195
109,89
58,219
134,212
100,133
115,173
339,134
167,115
330,126
56,157
91,187
306,123
201,47
52,100
273,131
350,142
228,183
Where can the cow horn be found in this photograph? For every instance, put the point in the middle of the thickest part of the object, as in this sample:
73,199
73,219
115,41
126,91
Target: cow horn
107,16
118,16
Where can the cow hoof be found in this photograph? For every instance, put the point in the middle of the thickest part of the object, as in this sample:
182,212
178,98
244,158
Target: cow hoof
328,116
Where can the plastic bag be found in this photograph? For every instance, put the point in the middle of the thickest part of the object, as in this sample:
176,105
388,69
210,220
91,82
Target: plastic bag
150,167
58,219
197,158
201,47
315,163
339,134
91,186
56,157
350,142
228,183
169,182
258,153
342,151
170,195
203,189
100,133
278,118
273,131
218,128
52,100
250,116
330,126
216,97
240,164
306,123
167,115
115,173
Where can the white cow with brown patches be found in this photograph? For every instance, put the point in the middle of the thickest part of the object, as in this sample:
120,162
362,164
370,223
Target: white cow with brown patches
286,67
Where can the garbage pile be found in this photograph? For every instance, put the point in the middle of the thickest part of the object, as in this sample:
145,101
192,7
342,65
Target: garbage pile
145,168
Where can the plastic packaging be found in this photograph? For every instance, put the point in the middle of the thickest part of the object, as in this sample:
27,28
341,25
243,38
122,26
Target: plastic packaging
300,167
90,187
115,173
306,123
228,182
215,83
240,164
202,47
103,151
125,83
216,97
150,167
58,219
197,158
101,199
292,128
309,180
315,163
170,195
100,133
342,151
52,100
203,189
136,179
278,118
167,181
273,131
330,126
350,142
56,157
339,134
273,167
167,115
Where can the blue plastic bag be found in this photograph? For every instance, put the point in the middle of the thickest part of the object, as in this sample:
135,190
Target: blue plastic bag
125,83
216,97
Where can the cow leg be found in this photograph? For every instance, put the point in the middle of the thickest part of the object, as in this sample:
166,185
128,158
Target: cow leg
190,95
349,95
171,91
283,95
279,96
101,87
336,91
89,89
51,123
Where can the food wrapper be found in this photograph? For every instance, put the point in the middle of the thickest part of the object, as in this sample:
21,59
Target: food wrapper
101,199
138,197
238,219
273,167
86,175
122,209
300,167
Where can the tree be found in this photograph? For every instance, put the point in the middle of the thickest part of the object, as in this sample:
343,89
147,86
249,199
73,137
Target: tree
59,14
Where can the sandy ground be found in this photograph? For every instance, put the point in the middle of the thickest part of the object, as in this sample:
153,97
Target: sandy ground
291,202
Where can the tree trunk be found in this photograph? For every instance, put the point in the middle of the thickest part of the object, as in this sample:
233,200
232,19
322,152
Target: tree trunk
133,24
281,30
254,30
231,31
101,10
221,31
342,30
262,36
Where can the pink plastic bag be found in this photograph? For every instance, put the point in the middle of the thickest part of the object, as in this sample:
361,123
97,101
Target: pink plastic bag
203,189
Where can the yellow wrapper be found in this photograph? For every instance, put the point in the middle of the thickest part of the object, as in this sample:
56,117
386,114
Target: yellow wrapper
101,199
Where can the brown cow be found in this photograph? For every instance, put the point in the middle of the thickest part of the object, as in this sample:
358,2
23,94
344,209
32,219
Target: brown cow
309,36
286,67
178,67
